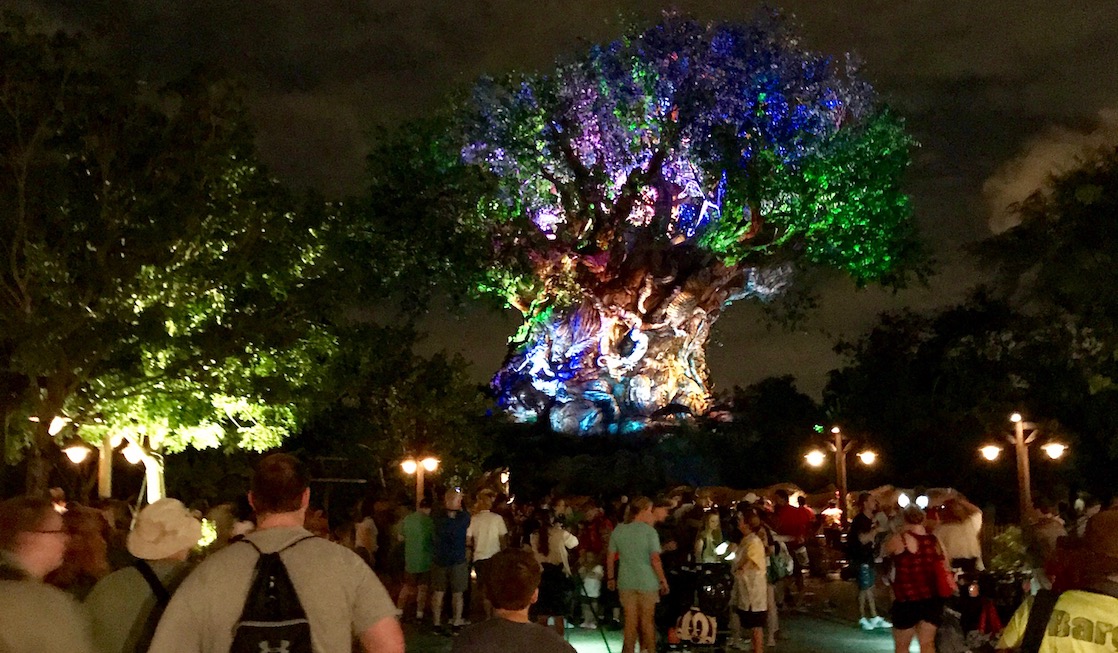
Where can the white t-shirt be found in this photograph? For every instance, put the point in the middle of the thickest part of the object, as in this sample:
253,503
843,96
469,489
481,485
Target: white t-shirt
960,539
486,529
365,535
592,580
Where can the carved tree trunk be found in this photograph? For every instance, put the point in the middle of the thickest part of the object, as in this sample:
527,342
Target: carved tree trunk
632,353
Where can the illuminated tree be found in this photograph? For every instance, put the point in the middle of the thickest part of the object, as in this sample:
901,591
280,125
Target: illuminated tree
640,188
154,281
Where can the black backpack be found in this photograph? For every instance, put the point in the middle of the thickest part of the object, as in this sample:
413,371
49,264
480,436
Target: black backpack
273,619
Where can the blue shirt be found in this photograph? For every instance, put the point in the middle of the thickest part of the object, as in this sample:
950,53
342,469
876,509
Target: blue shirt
450,537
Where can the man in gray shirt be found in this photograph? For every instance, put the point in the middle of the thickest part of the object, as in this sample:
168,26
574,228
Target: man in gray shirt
343,599
515,577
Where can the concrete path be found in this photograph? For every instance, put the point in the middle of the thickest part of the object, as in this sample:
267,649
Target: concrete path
827,624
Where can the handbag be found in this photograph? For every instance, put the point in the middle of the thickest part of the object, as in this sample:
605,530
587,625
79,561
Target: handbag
945,580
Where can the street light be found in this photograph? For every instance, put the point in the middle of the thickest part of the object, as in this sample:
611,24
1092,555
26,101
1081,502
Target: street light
841,446
77,453
1024,433
417,466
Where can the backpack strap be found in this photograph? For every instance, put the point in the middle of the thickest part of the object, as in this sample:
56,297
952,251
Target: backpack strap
301,539
1043,604
162,596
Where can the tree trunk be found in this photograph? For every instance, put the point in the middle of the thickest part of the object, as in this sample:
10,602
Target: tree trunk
37,480
633,354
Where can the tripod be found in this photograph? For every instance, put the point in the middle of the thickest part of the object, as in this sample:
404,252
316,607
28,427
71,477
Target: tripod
593,611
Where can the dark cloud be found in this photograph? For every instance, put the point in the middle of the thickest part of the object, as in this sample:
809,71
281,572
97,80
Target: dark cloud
991,89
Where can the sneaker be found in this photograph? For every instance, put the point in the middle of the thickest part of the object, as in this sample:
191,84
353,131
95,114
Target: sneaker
460,623
879,622
866,624
588,625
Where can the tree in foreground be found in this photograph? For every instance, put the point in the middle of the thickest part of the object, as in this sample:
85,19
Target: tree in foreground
151,274
642,187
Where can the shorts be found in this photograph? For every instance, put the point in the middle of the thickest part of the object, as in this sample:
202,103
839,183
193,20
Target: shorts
422,578
906,614
638,600
752,619
456,578
866,576
482,567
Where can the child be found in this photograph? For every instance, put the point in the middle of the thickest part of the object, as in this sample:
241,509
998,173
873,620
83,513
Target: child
591,572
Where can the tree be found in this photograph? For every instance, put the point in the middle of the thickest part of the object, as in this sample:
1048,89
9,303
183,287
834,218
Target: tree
639,189
1060,263
380,403
928,390
150,269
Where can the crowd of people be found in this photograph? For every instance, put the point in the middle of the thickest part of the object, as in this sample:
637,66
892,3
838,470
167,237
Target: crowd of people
283,576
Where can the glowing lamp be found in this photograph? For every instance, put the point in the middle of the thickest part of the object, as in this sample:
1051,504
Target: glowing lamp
922,502
77,453
1054,450
133,453
990,451
430,464
733,554
815,458
868,457
505,477
56,425
835,430
1015,417
903,501
721,548
409,466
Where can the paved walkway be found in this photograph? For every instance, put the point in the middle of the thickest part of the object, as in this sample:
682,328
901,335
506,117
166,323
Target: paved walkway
828,624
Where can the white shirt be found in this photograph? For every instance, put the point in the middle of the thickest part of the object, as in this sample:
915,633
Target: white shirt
486,529
960,539
558,541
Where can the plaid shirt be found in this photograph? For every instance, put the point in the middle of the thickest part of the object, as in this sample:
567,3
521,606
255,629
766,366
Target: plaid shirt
915,573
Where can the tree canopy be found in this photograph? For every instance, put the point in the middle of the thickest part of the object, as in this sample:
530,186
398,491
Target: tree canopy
149,263
631,194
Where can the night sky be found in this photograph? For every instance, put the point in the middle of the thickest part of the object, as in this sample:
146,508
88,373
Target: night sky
999,93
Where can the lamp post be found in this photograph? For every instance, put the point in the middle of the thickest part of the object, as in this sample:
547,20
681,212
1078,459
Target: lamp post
841,446
417,466
1024,433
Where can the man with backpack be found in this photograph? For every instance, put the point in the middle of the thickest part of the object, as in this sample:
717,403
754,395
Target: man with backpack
125,606
281,589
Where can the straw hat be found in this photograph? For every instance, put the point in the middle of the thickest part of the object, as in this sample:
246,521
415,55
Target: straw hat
163,529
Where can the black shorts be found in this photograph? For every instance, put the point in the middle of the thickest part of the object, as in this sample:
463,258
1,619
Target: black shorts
906,614
751,619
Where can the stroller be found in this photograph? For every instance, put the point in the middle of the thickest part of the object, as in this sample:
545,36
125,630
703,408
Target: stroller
695,615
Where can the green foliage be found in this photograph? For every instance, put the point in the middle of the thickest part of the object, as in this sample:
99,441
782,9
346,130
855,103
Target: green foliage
154,280
1009,554
380,402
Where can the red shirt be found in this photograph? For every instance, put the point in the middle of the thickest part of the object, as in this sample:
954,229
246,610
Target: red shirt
792,522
